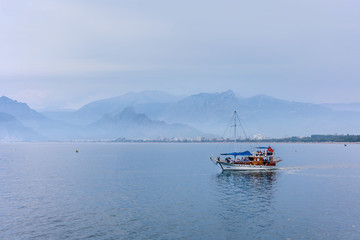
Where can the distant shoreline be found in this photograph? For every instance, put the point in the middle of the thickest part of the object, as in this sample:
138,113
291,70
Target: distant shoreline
184,142
317,139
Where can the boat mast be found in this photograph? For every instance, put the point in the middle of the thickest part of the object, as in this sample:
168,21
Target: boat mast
235,136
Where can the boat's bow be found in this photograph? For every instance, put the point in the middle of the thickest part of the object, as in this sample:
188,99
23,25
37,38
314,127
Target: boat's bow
214,160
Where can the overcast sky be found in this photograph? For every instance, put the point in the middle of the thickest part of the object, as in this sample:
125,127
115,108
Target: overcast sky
62,54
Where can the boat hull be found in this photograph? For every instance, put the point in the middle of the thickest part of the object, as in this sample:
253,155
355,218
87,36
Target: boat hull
244,167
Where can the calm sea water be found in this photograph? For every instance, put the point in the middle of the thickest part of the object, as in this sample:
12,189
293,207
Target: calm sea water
173,191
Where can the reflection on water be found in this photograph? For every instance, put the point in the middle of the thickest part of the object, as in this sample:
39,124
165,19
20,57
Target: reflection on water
110,191
245,197
247,184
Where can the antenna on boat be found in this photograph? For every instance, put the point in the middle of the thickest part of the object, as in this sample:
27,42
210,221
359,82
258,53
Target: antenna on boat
235,135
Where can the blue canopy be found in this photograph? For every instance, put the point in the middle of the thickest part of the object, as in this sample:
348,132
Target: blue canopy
246,153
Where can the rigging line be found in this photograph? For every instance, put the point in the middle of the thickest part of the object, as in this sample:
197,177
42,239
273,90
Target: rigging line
223,135
247,137
228,130
256,142
228,125
243,125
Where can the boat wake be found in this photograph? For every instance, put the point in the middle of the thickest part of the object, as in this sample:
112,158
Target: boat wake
318,167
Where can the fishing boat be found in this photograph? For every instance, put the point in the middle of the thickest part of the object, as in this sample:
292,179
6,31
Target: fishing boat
263,159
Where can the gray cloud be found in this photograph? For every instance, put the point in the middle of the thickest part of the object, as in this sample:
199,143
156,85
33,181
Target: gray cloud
297,50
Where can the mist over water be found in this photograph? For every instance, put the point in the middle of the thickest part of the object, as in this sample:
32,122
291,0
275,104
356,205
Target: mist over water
173,191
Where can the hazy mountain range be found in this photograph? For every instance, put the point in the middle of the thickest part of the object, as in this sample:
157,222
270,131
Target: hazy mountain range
355,107
153,114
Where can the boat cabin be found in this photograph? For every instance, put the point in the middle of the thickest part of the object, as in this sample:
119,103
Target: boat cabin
265,157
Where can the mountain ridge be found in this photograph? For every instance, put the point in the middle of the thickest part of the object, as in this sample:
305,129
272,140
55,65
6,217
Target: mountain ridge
203,113
129,124
13,130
